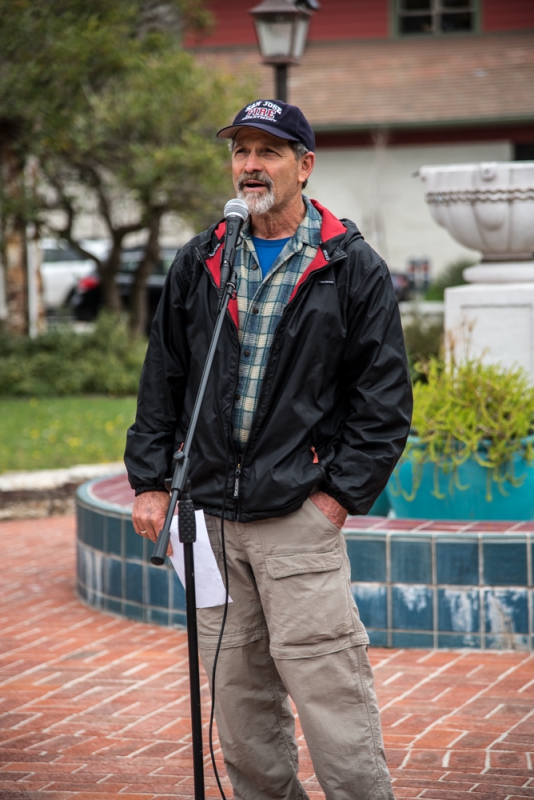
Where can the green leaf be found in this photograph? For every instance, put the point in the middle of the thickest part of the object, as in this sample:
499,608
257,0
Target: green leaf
470,409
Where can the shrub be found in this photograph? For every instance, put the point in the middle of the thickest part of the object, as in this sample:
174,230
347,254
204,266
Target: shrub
471,410
107,360
423,340
452,275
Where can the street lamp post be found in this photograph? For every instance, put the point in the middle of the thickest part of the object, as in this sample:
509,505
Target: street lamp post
282,29
280,81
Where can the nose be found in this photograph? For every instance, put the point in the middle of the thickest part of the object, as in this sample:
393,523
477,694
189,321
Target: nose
253,164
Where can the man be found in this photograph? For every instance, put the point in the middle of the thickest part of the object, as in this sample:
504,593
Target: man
306,413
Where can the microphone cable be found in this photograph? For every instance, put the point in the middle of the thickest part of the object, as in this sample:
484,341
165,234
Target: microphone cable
221,632
227,594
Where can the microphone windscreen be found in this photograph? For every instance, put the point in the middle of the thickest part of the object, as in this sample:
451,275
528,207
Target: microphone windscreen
236,208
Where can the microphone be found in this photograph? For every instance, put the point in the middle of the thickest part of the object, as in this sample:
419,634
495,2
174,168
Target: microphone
235,213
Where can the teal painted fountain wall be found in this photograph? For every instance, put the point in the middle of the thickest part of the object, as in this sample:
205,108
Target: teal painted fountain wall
417,583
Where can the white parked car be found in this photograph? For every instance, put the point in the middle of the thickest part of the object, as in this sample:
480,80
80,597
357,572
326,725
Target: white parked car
62,267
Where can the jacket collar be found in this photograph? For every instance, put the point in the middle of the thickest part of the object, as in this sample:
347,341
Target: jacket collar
333,235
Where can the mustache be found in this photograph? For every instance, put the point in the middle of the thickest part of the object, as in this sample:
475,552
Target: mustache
258,175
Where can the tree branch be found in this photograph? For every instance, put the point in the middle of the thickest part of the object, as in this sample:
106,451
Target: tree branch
66,204
103,201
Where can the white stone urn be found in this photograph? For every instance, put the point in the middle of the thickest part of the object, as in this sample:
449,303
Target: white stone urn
490,207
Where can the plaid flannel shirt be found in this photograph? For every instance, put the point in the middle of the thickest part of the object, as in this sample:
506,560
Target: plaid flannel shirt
261,303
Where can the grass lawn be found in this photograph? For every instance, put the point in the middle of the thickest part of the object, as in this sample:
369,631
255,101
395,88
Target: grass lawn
49,433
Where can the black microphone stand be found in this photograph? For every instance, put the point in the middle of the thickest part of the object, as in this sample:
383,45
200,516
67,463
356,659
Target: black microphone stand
180,488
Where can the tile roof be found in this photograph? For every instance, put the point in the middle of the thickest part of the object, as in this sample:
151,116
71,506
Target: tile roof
404,82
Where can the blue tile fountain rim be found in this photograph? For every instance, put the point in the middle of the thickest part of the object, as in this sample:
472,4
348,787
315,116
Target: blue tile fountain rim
415,588
85,494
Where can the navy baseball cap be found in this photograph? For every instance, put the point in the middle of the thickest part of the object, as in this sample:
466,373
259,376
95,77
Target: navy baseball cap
275,117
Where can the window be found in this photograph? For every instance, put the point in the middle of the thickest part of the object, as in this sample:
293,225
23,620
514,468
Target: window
524,151
435,16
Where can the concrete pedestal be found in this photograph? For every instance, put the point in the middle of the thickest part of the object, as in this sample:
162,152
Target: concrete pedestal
495,321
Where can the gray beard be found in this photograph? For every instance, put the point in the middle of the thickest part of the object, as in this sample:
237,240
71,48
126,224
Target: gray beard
258,204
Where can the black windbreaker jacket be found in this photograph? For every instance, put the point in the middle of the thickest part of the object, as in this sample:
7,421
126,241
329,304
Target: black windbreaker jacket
335,403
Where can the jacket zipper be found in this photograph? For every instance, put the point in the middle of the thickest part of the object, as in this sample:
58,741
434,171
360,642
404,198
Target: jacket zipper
237,476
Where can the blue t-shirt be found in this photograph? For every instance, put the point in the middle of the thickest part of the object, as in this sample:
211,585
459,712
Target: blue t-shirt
268,251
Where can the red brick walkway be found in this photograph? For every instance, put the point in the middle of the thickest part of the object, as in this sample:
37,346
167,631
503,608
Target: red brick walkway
93,707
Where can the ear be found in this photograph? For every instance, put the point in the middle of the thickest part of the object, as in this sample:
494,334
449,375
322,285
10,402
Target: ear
306,166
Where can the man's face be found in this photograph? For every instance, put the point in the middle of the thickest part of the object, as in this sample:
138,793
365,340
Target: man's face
265,172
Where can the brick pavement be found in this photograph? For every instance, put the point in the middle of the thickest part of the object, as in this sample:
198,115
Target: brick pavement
93,707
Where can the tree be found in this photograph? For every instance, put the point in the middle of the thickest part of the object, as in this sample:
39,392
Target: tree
13,272
150,135
108,101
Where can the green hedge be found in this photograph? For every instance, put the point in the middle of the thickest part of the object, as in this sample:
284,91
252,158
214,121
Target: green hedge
452,275
107,360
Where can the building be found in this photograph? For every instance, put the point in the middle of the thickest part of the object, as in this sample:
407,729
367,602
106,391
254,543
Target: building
392,85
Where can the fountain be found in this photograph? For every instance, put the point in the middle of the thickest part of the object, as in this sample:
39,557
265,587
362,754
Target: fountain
490,207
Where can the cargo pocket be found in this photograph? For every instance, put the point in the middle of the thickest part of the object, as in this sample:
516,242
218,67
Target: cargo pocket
309,600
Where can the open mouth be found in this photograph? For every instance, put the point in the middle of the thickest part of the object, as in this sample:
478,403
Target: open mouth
254,184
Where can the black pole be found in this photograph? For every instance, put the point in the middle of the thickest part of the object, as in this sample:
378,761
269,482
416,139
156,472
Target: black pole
187,533
281,82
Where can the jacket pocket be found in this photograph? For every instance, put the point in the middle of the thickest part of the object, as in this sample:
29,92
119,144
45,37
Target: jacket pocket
310,600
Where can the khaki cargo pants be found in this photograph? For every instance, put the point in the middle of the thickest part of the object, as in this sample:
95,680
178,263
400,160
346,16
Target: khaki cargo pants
292,628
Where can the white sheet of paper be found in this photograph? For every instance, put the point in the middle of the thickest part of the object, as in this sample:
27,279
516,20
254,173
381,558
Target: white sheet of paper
209,586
